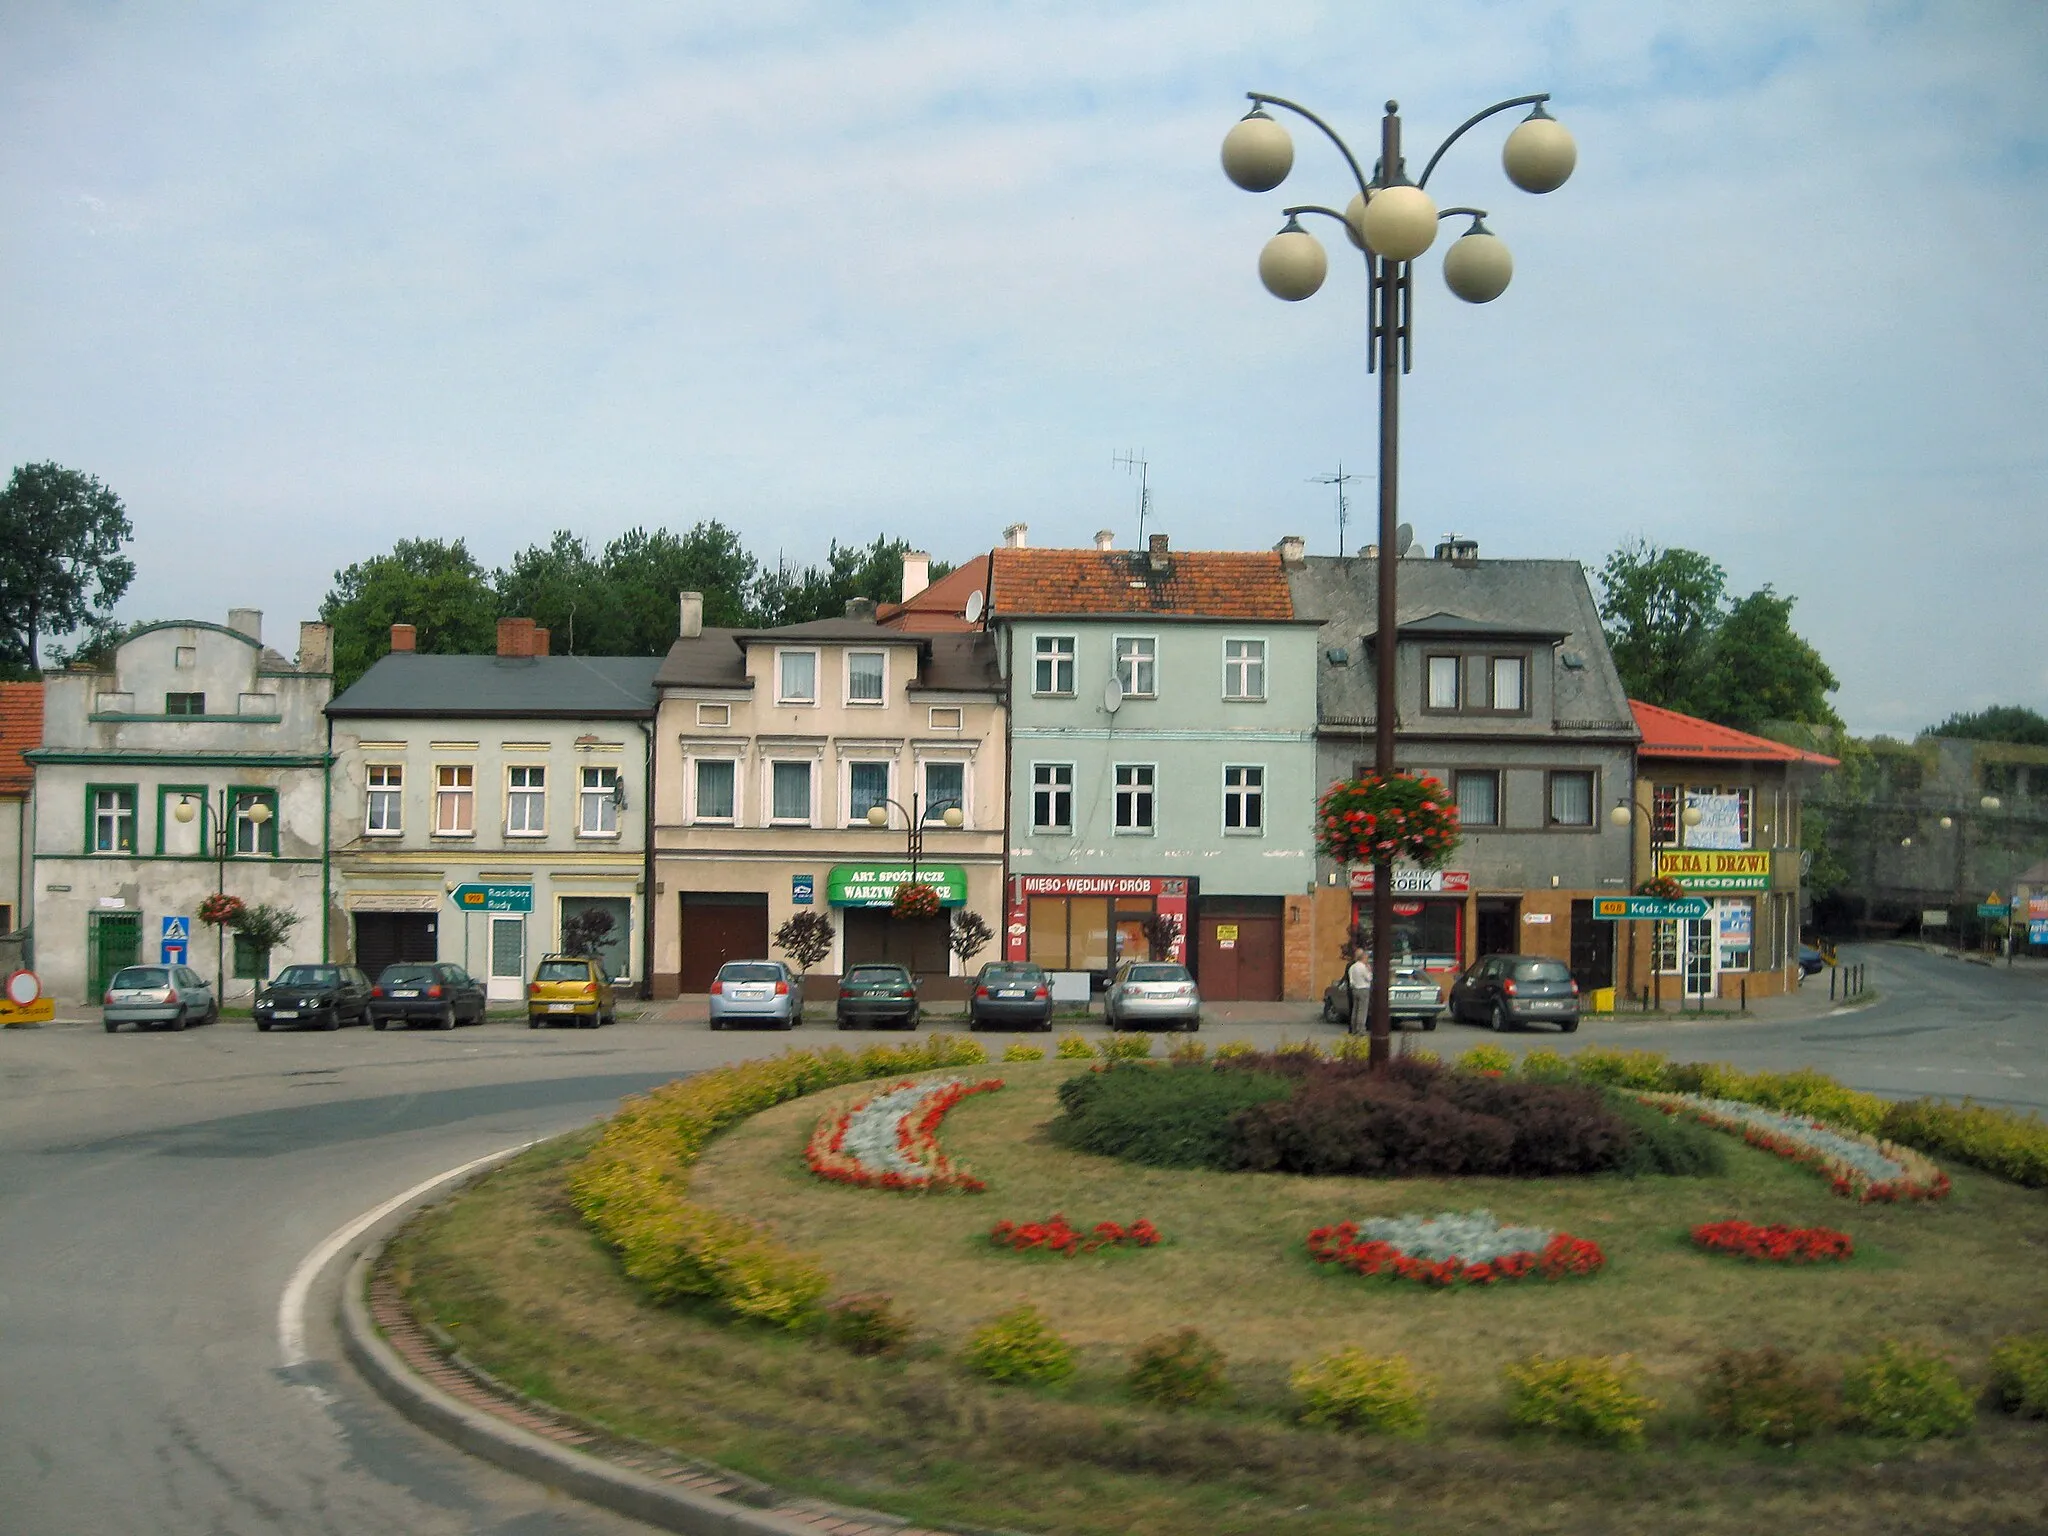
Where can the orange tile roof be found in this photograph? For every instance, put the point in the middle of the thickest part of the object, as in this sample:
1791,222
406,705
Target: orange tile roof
1667,733
1198,583
21,727
940,607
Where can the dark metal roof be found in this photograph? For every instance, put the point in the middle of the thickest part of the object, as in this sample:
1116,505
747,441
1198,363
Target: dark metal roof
408,683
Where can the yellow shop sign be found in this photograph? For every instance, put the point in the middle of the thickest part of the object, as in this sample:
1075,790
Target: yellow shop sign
1717,869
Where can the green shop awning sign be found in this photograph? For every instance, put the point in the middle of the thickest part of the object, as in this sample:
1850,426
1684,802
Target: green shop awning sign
874,885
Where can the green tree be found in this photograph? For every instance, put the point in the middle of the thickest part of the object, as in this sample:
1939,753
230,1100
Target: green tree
2001,722
61,566
797,595
1760,671
561,586
623,602
435,586
1661,608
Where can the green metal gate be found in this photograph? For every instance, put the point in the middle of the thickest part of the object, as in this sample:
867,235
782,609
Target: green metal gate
113,939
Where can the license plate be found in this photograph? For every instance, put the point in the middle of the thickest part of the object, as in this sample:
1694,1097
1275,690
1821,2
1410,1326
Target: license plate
1006,992
561,1007
1544,1002
284,1013
750,992
405,994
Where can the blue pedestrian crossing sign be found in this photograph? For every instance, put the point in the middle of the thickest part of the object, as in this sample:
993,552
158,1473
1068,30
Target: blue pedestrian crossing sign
176,928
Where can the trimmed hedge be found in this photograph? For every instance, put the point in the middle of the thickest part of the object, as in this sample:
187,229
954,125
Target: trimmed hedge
632,1189
1170,1117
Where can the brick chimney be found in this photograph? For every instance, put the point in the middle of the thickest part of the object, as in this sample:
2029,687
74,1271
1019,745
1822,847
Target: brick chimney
316,648
540,641
917,572
861,609
515,638
403,637
1015,535
1155,553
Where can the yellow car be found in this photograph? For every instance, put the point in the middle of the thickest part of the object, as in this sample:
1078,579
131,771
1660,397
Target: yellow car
570,989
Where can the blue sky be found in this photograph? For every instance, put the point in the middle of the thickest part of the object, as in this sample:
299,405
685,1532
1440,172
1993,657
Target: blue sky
300,280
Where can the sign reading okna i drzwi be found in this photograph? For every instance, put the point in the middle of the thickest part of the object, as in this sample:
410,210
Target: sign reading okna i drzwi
1717,869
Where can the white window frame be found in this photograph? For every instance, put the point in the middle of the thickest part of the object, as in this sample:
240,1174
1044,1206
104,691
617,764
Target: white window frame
880,699
594,795
810,768
1247,795
924,784
519,798
1138,672
1128,790
1440,665
107,808
809,701
1237,670
454,790
384,789
1052,653
846,767
246,830
694,781
1050,786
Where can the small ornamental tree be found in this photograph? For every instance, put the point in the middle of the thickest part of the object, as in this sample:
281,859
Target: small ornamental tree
1398,817
586,932
1162,934
259,930
806,938
970,936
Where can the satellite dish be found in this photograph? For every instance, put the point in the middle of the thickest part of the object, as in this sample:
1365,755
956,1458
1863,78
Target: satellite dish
1404,538
972,611
1113,695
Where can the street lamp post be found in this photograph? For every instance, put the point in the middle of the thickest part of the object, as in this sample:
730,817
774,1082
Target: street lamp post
950,815
1391,220
1621,816
257,811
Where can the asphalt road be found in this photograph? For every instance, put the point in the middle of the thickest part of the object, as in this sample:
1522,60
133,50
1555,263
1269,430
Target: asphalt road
159,1192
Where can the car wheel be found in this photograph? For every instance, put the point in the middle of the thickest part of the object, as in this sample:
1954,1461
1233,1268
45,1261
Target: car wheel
533,1021
447,1019
591,1022
1430,1022
263,1026
916,1014
112,1027
845,1024
377,1023
1500,1022
1329,1013
179,1022
1569,1026
333,1019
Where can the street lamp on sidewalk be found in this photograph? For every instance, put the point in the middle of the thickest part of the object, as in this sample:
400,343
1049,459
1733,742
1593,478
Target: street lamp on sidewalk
949,814
252,808
1391,221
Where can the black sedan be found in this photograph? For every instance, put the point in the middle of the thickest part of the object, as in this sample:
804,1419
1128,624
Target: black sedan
1508,991
441,995
1010,994
314,997
878,994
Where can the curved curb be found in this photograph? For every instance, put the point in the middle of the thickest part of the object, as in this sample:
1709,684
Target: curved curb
677,1498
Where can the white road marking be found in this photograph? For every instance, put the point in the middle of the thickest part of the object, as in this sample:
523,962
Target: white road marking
291,1307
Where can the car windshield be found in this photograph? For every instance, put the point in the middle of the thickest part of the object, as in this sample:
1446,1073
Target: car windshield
750,971
1542,970
1008,971
877,975
141,976
1158,973
563,970
308,976
406,976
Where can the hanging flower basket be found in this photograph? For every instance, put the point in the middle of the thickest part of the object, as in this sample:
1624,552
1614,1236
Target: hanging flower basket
1397,818
220,910
1663,887
916,899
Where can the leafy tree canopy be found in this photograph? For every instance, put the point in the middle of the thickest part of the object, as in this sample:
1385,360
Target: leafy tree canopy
436,587
2001,722
1680,643
61,566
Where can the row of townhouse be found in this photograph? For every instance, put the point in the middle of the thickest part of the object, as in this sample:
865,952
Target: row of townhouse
1102,753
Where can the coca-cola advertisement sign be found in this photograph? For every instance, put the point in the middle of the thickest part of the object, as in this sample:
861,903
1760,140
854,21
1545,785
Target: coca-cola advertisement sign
1410,881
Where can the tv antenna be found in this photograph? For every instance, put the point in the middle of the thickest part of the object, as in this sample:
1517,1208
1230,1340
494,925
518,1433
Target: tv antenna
1339,480
1136,463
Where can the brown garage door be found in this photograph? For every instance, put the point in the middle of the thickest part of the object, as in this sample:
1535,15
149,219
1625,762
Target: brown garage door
394,938
719,926
1239,956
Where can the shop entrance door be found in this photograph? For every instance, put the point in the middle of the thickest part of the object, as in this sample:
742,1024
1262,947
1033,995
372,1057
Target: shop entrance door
113,939
1496,922
394,938
507,983
1697,935
1592,948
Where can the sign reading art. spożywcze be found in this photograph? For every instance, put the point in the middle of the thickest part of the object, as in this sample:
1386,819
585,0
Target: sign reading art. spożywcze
1714,869
874,885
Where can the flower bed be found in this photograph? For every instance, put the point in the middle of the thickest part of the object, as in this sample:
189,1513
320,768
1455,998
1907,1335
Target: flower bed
1054,1235
890,1140
1453,1248
1856,1165
1774,1244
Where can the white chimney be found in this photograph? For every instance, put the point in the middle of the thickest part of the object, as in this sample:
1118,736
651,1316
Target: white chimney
247,621
917,572
693,615
1014,535
1291,549
1105,539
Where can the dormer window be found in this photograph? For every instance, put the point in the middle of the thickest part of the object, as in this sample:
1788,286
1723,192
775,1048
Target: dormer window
184,703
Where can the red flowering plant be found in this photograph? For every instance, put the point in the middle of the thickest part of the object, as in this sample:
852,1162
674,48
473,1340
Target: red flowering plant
1774,1244
220,910
916,899
1398,817
1856,1165
1663,887
1056,1235
890,1139
1561,1257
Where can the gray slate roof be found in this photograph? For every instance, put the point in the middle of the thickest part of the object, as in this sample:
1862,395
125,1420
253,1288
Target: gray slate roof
1542,599
947,663
408,683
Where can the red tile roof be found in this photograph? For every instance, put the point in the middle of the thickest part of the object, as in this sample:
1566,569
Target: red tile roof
940,607
1667,733
21,727
1198,583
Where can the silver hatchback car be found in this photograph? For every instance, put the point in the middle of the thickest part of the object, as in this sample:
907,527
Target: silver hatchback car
756,992
1152,992
170,995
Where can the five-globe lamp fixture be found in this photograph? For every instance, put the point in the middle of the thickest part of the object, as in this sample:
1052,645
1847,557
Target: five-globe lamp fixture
1392,221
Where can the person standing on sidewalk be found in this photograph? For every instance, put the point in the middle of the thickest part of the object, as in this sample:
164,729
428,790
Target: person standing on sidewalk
1359,978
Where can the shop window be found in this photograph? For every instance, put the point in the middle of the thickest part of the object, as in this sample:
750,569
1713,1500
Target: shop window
1070,933
1478,798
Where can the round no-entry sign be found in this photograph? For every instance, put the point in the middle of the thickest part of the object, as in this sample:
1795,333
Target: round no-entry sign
23,988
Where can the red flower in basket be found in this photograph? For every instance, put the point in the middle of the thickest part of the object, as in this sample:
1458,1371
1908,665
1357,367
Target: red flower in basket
220,910
1663,887
916,899
1399,816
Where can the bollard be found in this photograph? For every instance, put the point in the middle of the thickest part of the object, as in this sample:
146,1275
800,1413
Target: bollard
1745,994
1831,983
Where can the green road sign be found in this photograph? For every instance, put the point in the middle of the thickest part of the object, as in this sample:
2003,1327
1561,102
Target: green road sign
494,898
1621,909
1993,909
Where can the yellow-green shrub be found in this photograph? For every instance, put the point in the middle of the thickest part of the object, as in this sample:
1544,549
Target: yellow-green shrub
1131,1047
1353,1048
2019,1374
1584,1397
1303,1048
1181,1369
1073,1047
1186,1051
1375,1394
1621,1069
1544,1066
1906,1392
1485,1058
1019,1347
1230,1050
1017,1050
2001,1142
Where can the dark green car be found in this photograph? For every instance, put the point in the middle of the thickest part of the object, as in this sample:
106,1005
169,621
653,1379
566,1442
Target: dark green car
877,994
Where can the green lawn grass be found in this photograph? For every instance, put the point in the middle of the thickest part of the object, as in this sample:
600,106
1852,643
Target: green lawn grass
509,1270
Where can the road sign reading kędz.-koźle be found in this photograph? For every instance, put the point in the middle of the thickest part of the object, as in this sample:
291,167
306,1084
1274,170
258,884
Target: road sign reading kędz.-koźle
1620,909
494,898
